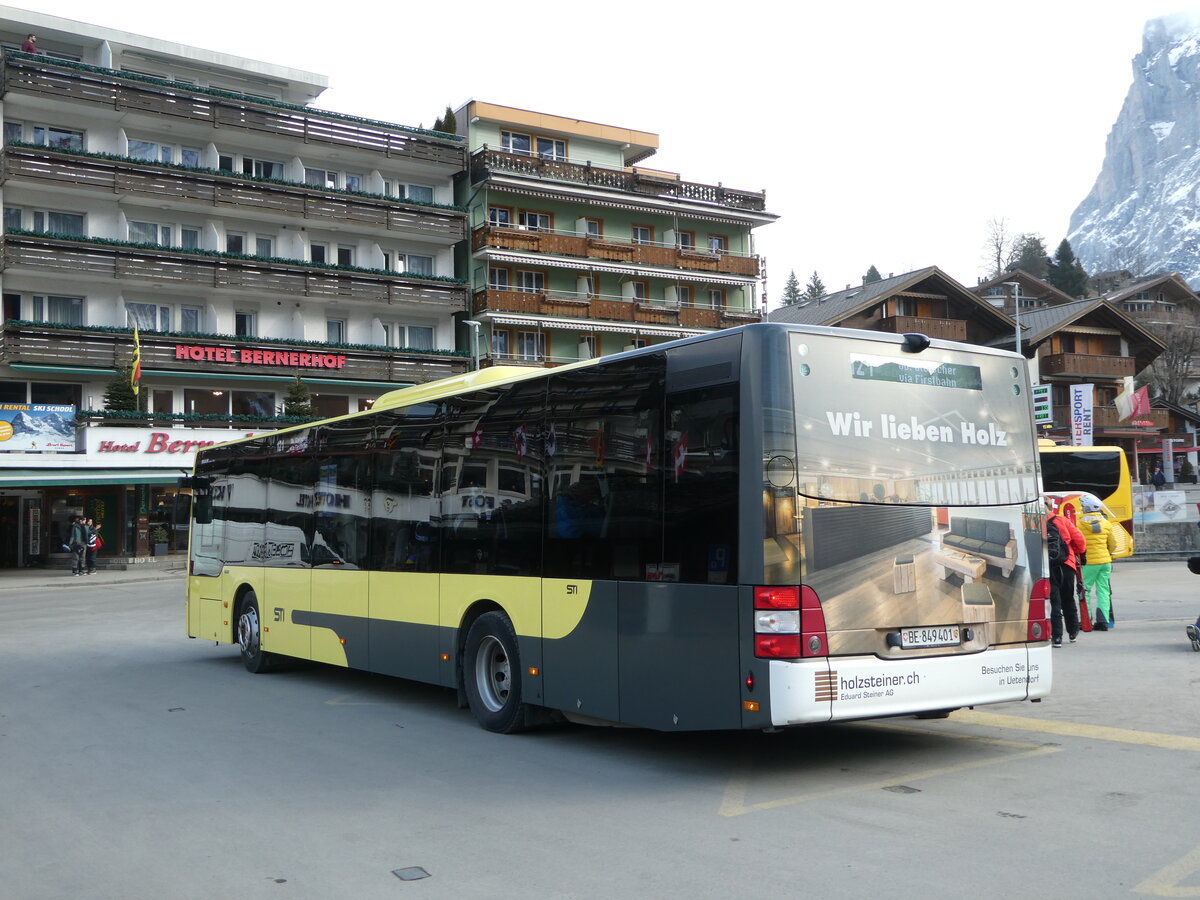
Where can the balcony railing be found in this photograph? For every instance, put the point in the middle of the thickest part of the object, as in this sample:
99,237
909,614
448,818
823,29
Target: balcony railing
110,350
947,329
82,258
125,177
1108,417
485,162
610,309
559,243
1087,365
58,81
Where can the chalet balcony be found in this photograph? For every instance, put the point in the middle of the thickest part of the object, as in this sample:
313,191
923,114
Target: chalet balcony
59,80
569,243
49,344
610,308
485,163
1084,365
159,183
1108,417
946,329
83,258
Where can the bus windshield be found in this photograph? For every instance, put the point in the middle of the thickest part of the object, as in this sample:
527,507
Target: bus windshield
878,425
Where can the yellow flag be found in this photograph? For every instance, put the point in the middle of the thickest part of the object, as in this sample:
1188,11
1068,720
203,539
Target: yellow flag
135,369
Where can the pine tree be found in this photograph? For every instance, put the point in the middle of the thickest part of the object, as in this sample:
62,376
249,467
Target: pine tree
814,290
119,395
791,290
872,276
1066,271
449,122
298,401
1029,255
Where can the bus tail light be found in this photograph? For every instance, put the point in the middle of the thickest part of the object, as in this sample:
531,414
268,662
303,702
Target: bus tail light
788,623
1039,625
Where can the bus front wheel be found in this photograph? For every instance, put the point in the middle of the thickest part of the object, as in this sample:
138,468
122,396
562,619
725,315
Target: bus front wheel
249,636
492,674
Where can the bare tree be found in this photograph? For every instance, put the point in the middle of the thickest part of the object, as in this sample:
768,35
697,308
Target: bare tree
1173,375
997,247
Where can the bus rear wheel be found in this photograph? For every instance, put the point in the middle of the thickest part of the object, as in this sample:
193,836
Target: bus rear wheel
249,636
492,674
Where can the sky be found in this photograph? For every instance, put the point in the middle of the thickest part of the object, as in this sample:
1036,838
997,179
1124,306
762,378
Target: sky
886,134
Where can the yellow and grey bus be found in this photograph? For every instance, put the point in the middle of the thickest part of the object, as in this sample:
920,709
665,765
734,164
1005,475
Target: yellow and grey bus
766,526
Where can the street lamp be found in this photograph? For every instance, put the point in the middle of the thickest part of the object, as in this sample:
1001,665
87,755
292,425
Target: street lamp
474,326
1016,292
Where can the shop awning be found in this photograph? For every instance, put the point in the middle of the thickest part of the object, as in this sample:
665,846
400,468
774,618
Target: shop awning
17,478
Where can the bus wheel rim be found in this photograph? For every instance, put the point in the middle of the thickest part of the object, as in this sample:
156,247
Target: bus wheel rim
493,676
248,631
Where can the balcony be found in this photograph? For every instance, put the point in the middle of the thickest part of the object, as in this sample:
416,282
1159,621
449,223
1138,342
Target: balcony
608,308
947,329
51,345
485,163
1108,417
58,80
569,243
1084,365
81,258
128,177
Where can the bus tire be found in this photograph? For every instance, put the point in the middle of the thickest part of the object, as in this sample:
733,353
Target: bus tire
249,636
492,674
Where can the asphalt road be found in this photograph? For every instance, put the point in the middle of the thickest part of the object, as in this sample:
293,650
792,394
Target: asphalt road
135,763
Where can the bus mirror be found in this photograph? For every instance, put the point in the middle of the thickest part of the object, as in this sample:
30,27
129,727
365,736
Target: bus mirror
181,510
202,510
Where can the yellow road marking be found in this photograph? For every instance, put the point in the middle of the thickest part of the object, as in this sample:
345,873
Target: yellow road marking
1165,882
1077,729
733,803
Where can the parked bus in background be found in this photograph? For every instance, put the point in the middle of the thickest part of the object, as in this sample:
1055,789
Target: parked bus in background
1103,471
761,527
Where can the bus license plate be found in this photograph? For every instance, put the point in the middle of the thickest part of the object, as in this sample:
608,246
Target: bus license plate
937,636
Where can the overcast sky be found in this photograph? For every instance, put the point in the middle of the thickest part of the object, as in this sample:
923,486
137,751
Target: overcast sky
884,133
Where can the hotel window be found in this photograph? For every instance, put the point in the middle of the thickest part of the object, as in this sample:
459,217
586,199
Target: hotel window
640,290
531,345
189,238
318,253
684,294
191,319
321,178
531,282
264,246
261,168
643,234
411,337
205,401
588,340
59,310
550,148
595,228
412,263
57,138
162,401
718,243
13,131
354,182
500,343
245,324
534,221
498,279
148,316
499,217
512,142
150,233
235,243
422,193
345,255
716,298
154,151
253,403
58,222
685,240
335,331
12,218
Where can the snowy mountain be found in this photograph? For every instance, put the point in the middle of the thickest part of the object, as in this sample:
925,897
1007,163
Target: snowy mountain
49,425
1143,213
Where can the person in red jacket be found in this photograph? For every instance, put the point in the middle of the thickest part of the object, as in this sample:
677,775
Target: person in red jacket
30,45
1063,576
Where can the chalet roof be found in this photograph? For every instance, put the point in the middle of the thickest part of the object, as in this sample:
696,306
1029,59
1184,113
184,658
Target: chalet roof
1030,285
1037,325
841,305
1174,279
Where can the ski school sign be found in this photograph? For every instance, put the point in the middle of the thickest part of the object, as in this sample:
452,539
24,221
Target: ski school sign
250,356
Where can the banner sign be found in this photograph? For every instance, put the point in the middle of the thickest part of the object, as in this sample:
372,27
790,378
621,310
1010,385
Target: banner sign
1081,415
248,356
173,448
37,427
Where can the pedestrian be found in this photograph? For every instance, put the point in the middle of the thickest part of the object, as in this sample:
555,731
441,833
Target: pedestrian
77,542
1158,479
93,545
1065,542
30,44
1101,542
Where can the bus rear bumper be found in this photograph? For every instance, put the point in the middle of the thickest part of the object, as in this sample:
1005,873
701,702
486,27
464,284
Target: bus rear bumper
866,687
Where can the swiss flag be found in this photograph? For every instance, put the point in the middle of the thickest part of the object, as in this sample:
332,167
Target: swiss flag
1141,401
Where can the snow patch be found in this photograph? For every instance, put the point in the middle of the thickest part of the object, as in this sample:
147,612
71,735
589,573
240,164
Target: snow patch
1188,48
1162,129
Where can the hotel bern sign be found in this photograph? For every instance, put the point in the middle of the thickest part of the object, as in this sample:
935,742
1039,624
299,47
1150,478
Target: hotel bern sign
257,356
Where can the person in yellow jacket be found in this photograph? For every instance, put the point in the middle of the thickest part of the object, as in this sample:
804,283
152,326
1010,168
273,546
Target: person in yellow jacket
1101,542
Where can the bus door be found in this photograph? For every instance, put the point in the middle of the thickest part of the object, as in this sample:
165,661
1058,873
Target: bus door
285,550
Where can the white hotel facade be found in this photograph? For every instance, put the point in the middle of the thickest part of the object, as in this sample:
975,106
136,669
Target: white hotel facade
250,236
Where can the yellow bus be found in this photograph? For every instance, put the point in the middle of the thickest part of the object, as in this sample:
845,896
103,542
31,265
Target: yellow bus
766,526
1102,471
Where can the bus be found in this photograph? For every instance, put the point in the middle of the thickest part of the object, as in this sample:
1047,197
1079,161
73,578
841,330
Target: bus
767,526
1103,471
